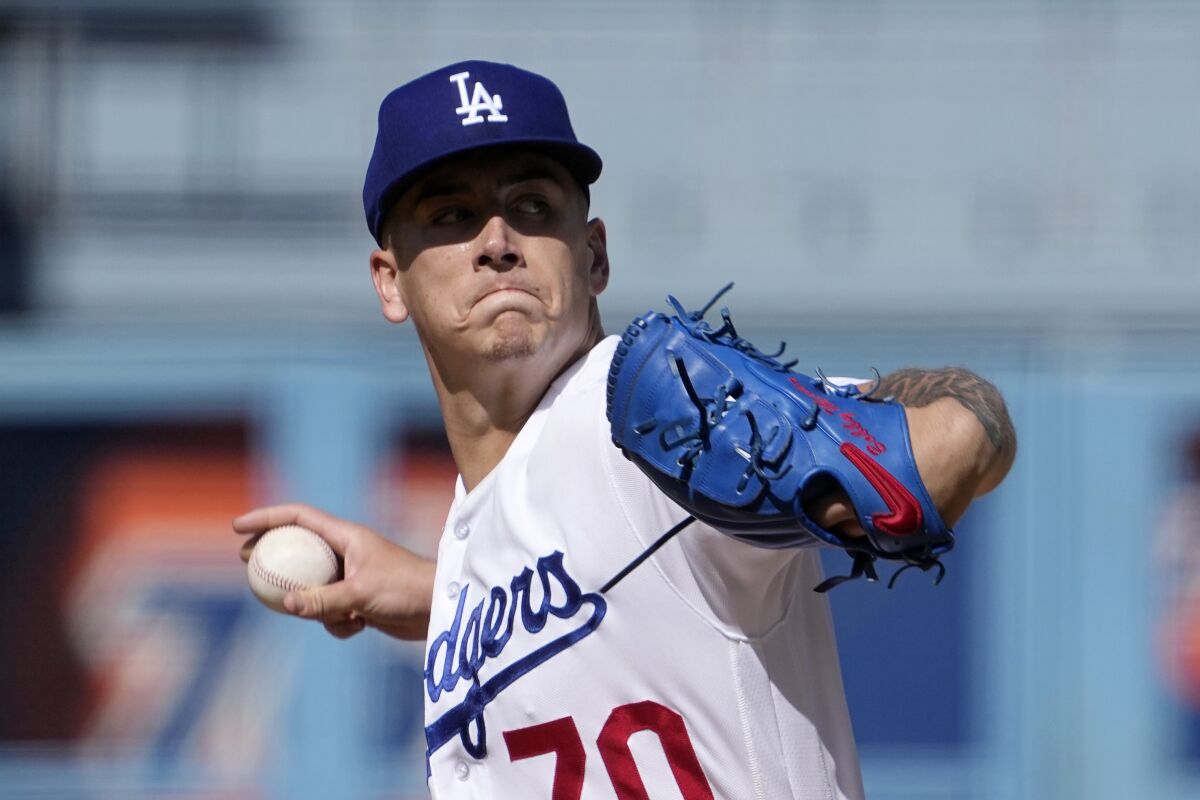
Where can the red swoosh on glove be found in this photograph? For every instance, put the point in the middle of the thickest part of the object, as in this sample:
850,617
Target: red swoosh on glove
904,516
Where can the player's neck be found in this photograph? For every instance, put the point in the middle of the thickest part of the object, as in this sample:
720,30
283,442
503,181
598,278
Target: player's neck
486,408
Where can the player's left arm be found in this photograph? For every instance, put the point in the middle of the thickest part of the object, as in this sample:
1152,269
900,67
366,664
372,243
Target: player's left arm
963,440
966,392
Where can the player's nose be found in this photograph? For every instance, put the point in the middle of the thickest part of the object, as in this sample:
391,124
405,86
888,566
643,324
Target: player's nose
497,246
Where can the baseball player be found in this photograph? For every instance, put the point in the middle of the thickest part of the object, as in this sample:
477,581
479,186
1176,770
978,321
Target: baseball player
710,670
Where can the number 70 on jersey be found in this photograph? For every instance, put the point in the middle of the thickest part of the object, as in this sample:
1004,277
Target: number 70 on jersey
561,737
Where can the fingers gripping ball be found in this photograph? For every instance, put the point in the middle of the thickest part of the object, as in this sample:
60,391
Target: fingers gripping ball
289,559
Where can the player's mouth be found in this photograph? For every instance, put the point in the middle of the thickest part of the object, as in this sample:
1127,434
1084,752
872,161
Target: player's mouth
503,291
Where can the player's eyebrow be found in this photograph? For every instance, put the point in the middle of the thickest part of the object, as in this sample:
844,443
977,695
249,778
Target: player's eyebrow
450,187
530,172
438,189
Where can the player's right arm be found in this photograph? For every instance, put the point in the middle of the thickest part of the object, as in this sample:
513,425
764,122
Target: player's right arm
386,586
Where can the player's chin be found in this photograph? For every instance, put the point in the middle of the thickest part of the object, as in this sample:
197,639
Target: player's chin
509,342
510,349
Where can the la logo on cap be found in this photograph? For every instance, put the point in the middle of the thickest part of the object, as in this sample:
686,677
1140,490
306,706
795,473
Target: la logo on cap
480,100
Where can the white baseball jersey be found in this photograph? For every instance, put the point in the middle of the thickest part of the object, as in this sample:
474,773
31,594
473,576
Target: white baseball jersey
708,672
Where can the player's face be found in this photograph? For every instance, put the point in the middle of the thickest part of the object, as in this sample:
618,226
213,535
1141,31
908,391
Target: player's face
491,254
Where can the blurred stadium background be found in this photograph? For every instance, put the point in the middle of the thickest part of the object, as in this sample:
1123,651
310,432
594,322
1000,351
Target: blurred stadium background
188,328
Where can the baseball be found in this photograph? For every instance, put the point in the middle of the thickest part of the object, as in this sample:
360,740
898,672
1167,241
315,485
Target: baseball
287,559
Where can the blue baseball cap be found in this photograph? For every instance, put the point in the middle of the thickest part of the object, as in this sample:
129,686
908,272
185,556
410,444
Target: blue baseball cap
467,106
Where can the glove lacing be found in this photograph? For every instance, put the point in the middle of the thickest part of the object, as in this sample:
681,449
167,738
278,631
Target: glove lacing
727,334
711,410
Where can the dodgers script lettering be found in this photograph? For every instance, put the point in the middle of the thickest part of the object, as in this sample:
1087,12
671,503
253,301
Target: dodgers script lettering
461,651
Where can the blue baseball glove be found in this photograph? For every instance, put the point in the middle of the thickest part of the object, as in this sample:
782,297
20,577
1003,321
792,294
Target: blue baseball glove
744,443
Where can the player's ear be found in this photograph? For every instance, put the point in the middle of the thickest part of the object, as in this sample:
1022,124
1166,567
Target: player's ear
598,246
386,275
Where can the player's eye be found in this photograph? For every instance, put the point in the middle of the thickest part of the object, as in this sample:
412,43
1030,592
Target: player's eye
453,215
532,206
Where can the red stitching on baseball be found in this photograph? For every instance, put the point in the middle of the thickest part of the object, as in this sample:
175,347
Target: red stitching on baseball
277,580
283,582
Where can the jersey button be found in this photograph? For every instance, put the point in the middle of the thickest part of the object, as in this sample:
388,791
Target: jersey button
452,589
462,530
461,770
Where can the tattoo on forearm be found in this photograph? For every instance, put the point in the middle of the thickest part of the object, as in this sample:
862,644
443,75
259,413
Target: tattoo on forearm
920,387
